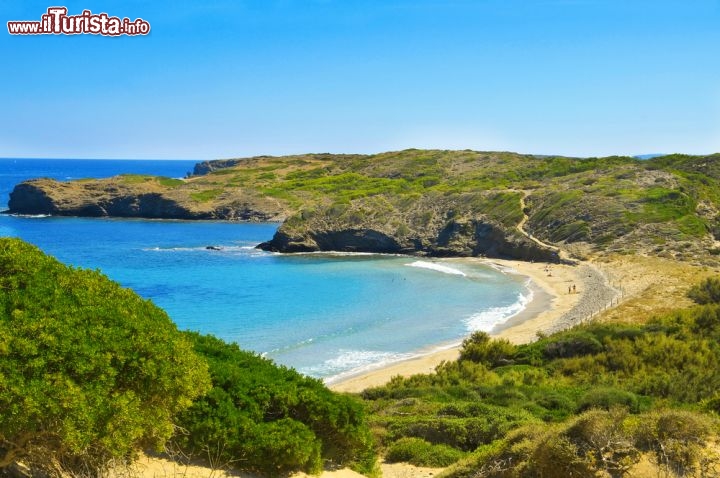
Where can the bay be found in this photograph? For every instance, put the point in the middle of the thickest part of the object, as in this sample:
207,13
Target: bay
324,314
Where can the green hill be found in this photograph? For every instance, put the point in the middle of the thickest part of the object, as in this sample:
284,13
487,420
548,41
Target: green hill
441,203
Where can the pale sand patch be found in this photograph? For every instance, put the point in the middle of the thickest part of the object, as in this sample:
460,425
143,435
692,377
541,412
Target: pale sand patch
551,300
651,286
158,467
389,470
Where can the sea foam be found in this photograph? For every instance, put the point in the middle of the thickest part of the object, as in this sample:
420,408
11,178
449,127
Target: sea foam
352,362
486,320
437,267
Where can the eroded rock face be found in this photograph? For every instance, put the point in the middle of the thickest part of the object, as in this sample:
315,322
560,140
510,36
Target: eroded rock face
347,240
206,167
26,198
107,198
474,238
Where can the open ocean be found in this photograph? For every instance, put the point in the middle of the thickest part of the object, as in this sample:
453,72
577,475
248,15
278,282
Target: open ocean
327,315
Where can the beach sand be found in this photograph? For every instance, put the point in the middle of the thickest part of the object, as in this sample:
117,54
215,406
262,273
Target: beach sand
156,467
551,301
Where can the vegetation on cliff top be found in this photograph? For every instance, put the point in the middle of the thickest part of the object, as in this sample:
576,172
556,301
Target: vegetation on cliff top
437,202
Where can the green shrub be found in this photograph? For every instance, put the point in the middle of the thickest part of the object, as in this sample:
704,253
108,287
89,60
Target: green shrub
558,457
678,439
707,292
572,344
419,452
270,419
608,398
558,403
89,371
483,424
491,353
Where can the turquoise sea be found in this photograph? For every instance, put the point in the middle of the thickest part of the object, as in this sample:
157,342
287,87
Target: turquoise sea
326,315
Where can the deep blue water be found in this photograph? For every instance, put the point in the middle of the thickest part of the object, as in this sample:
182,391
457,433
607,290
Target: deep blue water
324,314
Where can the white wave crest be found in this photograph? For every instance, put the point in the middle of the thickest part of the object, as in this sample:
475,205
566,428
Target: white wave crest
486,320
437,267
32,216
209,248
344,254
353,362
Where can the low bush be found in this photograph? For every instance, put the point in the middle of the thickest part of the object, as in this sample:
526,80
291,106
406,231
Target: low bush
270,419
419,452
608,398
576,343
707,292
491,353
599,443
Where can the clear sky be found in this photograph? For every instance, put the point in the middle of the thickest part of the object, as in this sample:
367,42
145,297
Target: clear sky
221,78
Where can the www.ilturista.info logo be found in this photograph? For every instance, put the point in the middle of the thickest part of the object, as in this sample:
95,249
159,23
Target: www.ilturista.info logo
57,22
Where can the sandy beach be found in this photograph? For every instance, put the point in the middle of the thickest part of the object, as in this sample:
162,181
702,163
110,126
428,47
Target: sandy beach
616,287
553,300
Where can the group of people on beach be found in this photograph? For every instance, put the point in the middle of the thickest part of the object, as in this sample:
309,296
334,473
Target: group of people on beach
571,288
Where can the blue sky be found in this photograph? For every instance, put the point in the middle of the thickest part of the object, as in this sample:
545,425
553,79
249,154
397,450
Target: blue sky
223,78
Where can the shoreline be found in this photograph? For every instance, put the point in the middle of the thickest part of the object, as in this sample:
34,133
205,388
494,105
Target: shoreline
551,302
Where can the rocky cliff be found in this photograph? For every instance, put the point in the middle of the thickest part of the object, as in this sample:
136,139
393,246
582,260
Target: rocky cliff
442,226
120,197
438,203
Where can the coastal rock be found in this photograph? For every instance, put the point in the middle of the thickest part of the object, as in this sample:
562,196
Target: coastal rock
348,240
207,167
118,197
27,198
475,237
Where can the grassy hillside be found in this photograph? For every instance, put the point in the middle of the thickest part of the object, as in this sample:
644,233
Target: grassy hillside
431,202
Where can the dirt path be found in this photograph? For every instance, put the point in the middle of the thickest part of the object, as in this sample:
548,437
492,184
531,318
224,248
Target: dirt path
521,229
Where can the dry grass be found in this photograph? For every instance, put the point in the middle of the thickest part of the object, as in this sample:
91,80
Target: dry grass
651,286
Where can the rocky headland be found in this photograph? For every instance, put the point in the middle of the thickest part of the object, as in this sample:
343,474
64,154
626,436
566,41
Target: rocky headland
435,203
